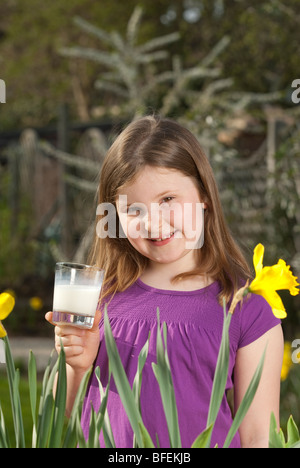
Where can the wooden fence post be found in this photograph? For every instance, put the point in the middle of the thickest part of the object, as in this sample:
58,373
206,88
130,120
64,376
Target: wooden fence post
63,144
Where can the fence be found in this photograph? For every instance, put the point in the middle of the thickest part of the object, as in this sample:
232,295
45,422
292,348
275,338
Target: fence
54,180
62,187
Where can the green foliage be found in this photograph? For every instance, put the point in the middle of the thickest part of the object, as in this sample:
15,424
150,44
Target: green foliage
49,429
262,56
16,253
277,439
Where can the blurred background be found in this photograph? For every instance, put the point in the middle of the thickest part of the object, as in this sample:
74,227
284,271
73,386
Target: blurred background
77,72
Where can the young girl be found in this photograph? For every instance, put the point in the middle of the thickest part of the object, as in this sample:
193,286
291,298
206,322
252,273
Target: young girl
156,177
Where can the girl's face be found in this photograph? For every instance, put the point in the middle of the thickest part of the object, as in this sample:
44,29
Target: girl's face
162,215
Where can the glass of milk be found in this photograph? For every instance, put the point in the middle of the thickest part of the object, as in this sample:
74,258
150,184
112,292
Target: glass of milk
76,294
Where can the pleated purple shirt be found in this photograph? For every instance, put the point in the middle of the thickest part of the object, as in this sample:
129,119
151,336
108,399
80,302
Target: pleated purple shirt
194,322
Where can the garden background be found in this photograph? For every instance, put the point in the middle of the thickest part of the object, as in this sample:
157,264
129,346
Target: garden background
76,72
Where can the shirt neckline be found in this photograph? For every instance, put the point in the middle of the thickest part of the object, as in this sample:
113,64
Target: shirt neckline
214,287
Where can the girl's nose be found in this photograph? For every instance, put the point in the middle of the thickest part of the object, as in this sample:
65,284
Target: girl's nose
152,220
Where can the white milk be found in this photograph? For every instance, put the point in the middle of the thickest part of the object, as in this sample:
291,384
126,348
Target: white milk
80,300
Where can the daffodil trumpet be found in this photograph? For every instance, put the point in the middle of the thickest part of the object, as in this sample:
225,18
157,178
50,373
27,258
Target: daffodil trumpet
268,280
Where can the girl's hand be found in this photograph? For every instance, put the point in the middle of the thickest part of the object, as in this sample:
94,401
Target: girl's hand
80,346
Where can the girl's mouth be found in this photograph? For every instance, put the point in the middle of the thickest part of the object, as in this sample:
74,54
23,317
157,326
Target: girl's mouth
162,240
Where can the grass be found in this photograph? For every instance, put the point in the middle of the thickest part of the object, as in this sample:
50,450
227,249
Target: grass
26,411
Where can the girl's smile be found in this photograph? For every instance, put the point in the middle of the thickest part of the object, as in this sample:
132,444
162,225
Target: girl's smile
163,241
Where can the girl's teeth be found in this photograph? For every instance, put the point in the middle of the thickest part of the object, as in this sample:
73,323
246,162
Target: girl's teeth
163,238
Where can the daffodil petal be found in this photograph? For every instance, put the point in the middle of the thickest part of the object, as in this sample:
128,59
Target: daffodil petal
273,299
2,331
258,257
276,277
280,314
288,279
7,303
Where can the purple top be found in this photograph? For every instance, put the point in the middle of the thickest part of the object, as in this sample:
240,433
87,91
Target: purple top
194,328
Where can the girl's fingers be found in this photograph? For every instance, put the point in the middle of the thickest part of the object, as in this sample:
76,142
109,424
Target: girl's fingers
66,330
71,351
70,340
48,317
73,345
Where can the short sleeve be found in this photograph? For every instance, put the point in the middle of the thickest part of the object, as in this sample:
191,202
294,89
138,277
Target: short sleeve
256,318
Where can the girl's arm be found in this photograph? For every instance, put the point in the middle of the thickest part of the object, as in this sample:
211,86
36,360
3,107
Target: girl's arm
254,430
81,348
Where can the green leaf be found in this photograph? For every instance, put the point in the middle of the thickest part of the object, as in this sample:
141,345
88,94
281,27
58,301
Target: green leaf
147,441
93,439
46,407
106,428
276,439
60,402
295,445
13,381
203,439
292,432
137,383
221,372
45,422
163,376
71,434
246,402
32,380
19,429
100,419
4,439
122,383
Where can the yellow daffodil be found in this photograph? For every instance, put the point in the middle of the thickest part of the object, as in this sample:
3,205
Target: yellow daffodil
7,303
268,280
287,360
36,303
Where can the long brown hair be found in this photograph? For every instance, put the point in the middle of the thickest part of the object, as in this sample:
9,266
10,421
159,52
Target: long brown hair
159,142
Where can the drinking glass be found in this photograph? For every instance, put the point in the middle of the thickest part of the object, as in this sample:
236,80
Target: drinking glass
77,290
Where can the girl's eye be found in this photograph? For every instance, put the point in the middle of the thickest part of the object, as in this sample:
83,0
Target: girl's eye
167,199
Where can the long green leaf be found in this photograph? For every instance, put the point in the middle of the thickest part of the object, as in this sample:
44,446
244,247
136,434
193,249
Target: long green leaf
137,382
70,439
93,438
221,373
14,395
122,383
147,441
4,439
203,439
246,402
60,402
276,439
46,407
107,430
99,417
292,432
19,429
44,388
163,376
45,422
32,380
